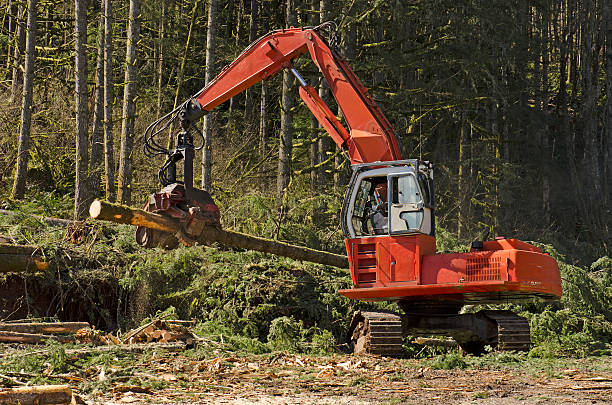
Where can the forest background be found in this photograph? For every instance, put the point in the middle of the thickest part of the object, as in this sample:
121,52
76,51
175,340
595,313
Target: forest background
511,101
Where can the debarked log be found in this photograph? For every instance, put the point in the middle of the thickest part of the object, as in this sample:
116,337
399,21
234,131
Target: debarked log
103,210
19,258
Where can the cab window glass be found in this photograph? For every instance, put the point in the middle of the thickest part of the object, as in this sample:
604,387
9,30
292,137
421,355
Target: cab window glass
405,190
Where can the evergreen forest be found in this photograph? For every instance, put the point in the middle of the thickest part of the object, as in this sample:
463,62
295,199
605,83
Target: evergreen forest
510,100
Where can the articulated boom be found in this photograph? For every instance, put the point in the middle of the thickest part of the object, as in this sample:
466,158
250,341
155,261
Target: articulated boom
370,137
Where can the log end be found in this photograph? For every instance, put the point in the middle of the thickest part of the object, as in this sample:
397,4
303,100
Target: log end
95,209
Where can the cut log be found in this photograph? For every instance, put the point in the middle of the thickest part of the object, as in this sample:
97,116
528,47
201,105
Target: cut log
20,258
38,394
44,327
126,215
32,338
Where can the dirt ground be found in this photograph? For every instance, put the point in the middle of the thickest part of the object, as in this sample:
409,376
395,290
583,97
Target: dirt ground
290,379
209,377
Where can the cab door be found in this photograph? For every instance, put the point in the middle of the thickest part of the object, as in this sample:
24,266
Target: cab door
406,210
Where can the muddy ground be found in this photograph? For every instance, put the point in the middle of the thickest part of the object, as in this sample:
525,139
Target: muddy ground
204,376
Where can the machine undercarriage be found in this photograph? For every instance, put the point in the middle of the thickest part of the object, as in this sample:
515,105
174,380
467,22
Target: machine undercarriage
382,333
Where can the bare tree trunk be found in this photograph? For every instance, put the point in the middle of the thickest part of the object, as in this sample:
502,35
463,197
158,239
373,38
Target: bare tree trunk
349,39
23,150
545,141
324,141
80,72
264,128
181,72
11,28
209,119
234,100
263,119
109,159
97,134
314,154
160,62
129,108
20,44
248,102
286,130
589,107
462,192
608,121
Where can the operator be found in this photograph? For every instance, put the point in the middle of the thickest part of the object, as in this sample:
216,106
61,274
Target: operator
379,217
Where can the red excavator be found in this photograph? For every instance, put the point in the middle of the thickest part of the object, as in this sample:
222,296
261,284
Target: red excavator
387,216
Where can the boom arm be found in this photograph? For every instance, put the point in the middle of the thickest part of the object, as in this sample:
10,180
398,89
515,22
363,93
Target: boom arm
370,137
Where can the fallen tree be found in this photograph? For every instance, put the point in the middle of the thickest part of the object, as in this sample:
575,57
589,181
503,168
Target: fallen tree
60,222
103,210
43,327
33,338
21,258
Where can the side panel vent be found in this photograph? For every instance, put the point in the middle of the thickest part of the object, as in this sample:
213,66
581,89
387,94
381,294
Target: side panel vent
483,269
366,264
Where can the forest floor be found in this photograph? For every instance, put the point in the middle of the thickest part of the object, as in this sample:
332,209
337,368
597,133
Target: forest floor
197,376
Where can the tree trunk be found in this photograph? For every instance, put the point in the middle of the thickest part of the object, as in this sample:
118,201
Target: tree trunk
248,102
109,158
349,39
324,141
462,192
545,141
23,150
97,134
608,120
20,44
589,107
160,55
314,154
11,29
286,129
209,119
181,73
263,119
264,128
129,108
80,72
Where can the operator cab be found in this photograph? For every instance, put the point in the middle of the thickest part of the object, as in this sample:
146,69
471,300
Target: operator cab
390,198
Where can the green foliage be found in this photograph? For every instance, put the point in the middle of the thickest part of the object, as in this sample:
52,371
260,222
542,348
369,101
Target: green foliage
449,361
323,343
286,334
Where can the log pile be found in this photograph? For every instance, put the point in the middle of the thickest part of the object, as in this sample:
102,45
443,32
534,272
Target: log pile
21,258
103,210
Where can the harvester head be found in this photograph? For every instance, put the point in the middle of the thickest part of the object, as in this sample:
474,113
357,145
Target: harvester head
193,207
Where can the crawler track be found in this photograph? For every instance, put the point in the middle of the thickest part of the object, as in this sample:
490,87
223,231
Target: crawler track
513,332
377,333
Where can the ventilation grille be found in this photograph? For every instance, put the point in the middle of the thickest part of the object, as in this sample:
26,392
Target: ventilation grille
366,264
483,269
